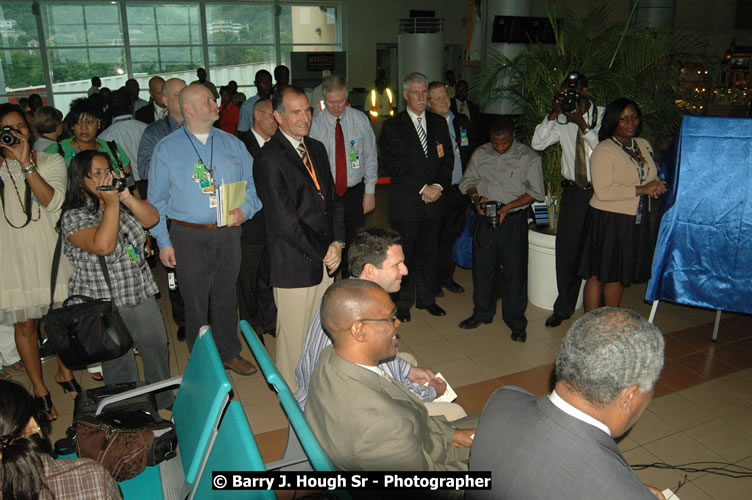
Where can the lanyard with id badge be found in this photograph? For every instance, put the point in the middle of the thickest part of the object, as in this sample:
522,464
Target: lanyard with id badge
203,175
352,155
635,155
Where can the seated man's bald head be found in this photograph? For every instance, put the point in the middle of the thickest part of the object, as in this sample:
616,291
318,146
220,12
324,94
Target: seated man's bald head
345,302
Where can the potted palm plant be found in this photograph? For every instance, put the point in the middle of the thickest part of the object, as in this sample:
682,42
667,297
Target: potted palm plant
619,61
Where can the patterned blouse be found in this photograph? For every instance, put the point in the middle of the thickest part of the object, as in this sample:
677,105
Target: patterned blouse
132,281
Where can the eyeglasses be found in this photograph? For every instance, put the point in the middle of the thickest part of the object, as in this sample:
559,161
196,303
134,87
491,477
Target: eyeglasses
391,319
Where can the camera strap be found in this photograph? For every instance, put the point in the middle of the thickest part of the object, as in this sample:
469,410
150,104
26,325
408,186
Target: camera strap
27,202
114,150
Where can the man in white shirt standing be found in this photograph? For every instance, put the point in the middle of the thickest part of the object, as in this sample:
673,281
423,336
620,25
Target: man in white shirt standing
125,130
351,148
574,123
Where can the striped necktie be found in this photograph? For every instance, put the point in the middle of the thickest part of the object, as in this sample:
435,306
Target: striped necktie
422,136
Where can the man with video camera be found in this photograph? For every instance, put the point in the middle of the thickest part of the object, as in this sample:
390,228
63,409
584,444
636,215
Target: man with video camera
574,122
503,177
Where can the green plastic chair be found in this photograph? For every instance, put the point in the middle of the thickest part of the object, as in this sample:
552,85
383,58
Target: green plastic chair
235,449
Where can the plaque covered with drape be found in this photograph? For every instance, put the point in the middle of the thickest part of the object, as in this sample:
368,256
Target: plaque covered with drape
703,256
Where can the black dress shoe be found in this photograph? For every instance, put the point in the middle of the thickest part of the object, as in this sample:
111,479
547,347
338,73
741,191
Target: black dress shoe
472,322
433,310
554,320
519,336
403,316
453,287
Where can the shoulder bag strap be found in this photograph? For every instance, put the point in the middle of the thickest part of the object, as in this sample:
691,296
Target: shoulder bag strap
103,265
55,266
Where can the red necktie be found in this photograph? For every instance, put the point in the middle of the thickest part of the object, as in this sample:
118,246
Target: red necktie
340,179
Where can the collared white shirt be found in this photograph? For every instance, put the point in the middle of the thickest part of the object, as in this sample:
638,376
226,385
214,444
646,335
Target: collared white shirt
127,133
159,113
550,132
260,140
375,369
295,143
578,414
414,119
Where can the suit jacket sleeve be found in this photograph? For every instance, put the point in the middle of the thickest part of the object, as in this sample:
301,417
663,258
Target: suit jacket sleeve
438,134
398,440
394,158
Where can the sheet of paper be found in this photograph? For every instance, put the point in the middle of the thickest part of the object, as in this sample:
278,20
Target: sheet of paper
449,395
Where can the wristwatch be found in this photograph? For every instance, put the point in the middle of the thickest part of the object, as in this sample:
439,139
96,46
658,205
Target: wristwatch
31,168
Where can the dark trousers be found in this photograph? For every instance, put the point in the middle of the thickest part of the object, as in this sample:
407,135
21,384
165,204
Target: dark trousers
208,263
420,243
501,254
574,206
255,296
451,227
355,219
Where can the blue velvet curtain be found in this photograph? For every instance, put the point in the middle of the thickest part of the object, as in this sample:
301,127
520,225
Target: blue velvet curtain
704,252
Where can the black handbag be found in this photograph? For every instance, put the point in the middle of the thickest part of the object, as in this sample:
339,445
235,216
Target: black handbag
89,332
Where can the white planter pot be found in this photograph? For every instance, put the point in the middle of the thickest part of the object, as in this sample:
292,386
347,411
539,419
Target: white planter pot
541,271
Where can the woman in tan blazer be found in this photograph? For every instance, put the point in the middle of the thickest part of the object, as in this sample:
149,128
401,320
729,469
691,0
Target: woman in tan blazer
618,246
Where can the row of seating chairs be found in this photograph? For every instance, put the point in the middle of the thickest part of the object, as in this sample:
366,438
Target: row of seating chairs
213,432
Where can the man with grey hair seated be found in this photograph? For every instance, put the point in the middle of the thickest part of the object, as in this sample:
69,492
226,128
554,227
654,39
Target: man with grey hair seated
562,445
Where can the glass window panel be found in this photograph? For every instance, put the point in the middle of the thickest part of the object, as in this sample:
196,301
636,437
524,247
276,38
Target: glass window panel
159,60
18,27
21,69
234,55
308,24
152,24
242,24
79,65
82,24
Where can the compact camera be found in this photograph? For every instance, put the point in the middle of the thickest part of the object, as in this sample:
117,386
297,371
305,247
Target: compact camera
490,209
571,94
6,136
119,184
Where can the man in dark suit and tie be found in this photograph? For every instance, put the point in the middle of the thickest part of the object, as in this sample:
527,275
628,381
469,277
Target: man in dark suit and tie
304,222
156,109
562,445
416,151
255,297
463,144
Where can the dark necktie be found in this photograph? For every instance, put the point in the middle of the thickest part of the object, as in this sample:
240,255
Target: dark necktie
340,178
580,162
422,136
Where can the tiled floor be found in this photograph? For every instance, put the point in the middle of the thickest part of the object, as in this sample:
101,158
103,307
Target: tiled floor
702,411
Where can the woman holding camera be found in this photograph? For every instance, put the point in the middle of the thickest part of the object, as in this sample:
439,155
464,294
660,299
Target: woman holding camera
103,218
33,189
618,243
28,468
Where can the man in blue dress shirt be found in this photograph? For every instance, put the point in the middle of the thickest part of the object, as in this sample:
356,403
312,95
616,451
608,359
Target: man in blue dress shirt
186,168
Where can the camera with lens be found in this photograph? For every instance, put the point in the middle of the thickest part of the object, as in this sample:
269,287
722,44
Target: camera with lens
490,210
119,183
571,93
6,136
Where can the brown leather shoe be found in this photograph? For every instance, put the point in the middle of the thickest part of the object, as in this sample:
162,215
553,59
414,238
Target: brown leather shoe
241,366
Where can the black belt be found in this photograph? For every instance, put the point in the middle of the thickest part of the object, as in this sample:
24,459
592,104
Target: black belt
567,183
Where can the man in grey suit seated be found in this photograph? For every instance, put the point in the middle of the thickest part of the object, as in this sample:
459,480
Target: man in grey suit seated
364,419
562,445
